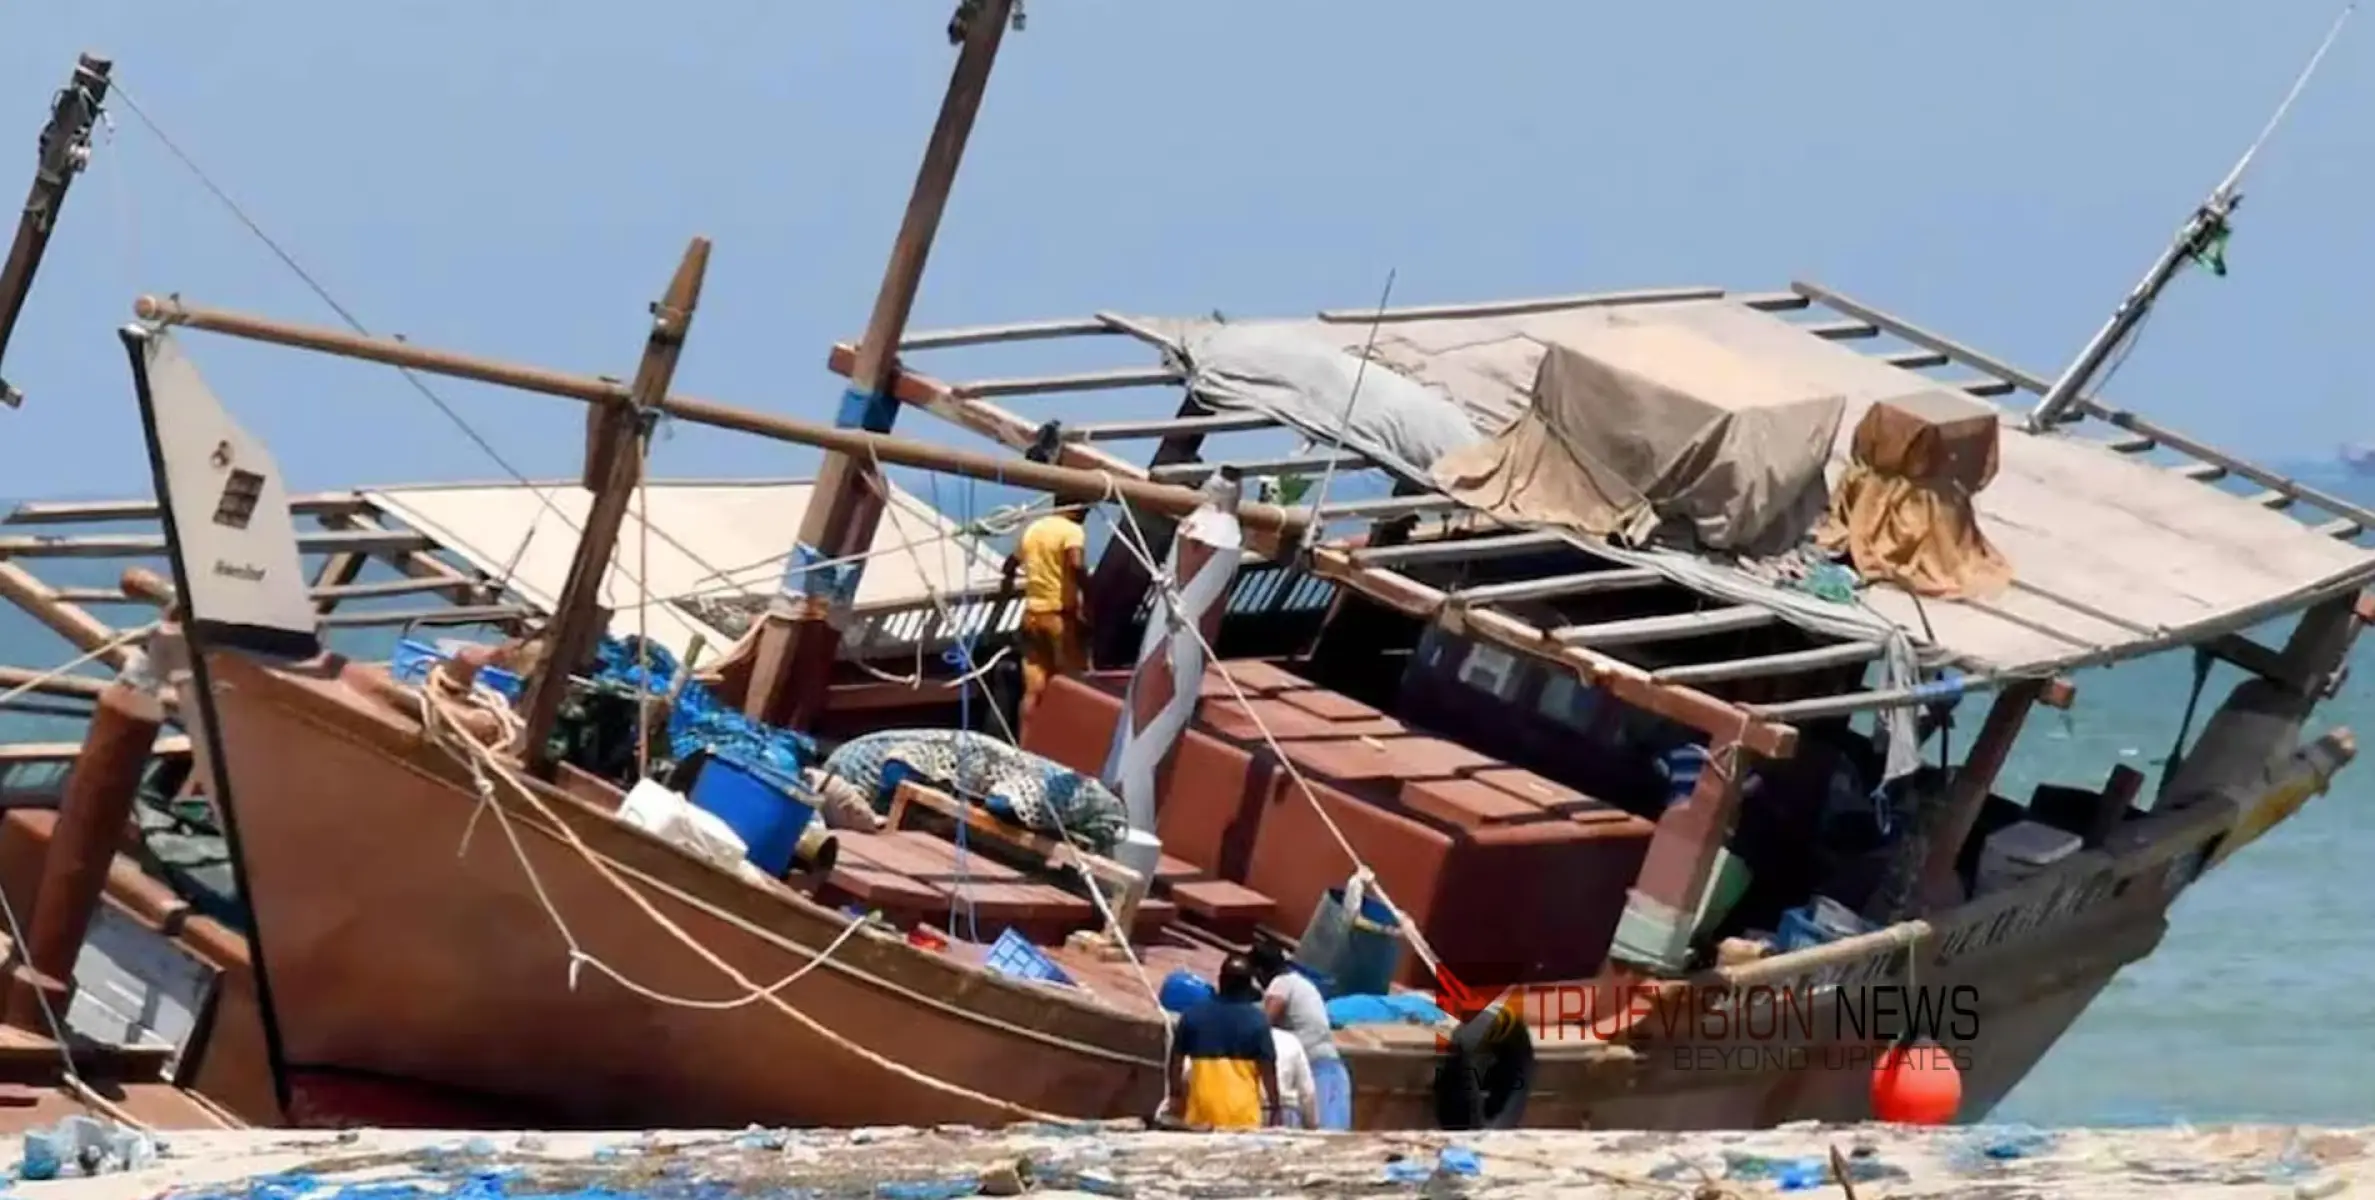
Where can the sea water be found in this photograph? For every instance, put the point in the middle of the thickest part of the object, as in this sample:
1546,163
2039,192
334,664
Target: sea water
2251,1009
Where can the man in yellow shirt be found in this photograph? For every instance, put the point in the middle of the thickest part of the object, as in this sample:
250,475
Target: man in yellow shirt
1051,557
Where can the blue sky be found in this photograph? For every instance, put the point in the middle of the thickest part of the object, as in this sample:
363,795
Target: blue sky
501,177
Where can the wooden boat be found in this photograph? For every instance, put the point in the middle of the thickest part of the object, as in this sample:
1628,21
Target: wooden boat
1405,679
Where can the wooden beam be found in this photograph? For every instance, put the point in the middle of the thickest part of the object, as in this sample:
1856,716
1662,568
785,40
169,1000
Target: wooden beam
1384,508
420,565
1983,387
2273,500
1768,665
576,620
1085,381
2341,527
2201,472
1582,583
466,614
1839,331
34,752
82,687
2132,445
1120,431
1012,331
1514,308
1477,549
1671,627
152,545
1913,360
93,512
87,633
1193,473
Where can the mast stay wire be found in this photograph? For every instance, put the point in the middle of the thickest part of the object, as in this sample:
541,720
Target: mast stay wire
321,292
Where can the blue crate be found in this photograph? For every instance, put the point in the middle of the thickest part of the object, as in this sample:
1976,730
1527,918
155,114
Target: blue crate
1014,955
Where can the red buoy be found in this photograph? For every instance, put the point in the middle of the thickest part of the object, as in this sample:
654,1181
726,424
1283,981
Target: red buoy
1916,1084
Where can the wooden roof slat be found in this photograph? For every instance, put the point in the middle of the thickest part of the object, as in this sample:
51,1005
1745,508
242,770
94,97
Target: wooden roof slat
1839,331
1983,387
72,512
1476,549
2132,445
1666,628
34,752
1914,360
1771,301
1384,507
2342,527
467,614
1012,331
1122,431
152,545
2202,472
2273,499
1582,583
1511,308
336,591
1196,472
1768,665
1085,381
1815,708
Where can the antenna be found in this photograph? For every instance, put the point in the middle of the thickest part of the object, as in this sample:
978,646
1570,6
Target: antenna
2201,239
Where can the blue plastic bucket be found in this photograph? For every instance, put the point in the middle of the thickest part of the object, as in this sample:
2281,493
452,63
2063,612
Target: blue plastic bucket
1351,955
1183,989
756,807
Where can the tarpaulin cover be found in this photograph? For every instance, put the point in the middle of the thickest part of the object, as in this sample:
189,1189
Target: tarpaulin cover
1311,385
1656,432
1903,511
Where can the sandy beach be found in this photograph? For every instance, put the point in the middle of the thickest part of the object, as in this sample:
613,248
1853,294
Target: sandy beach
1997,1162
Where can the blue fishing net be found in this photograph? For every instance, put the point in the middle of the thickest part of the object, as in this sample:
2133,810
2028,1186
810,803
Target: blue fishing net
700,720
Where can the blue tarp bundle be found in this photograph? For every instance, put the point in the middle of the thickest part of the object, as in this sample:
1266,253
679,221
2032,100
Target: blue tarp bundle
699,719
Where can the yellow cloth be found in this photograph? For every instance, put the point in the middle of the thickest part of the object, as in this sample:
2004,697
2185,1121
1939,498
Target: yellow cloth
1224,1093
1045,552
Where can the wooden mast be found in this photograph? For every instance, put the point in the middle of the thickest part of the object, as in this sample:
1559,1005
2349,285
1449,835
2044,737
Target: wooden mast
614,466
798,640
65,148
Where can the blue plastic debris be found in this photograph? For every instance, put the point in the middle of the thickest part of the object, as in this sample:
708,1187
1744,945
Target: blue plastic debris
927,1189
81,1145
1458,1160
1450,1162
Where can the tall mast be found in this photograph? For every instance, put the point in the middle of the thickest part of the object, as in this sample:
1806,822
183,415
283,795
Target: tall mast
799,641
2201,239
65,147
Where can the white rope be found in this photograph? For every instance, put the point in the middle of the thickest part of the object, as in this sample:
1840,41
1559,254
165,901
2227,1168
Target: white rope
479,757
999,523
79,661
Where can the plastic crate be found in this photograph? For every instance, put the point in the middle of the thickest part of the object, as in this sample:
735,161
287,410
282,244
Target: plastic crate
1014,955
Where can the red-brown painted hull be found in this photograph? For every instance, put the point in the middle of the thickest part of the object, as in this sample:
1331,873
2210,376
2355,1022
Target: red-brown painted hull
395,951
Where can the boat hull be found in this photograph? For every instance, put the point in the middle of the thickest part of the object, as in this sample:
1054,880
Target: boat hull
403,944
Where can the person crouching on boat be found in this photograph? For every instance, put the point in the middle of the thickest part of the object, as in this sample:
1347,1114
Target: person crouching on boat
1298,1096
1223,1058
1052,558
1295,1005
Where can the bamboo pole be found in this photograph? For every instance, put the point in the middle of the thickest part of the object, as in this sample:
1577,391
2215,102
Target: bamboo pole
1069,483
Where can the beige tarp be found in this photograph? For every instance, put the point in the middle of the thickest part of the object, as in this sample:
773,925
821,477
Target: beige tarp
1903,510
1652,429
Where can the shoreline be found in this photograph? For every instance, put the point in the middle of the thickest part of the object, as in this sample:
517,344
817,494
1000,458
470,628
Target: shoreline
2241,1162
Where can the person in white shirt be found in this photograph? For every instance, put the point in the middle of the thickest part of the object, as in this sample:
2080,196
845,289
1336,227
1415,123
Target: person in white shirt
1294,1003
1298,1097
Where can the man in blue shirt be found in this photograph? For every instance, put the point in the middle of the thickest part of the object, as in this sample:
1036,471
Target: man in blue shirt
1223,1059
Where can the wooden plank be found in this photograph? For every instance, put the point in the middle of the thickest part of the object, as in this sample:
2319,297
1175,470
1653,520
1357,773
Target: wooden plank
32,752
1839,331
152,545
1013,331
2202,472
1582,583
1385,507
1512,308
1121,324
1478,549
1192,473
2273,499
1085,381
1122,431
461,614
2343,528
1982,387
1914,360
1910,332
73,622
1814,708
1765,666
73,512
1666,628
2132,445
1770,301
